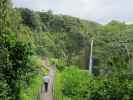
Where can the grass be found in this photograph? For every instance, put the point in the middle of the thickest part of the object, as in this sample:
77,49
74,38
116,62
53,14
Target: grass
32,91
58,95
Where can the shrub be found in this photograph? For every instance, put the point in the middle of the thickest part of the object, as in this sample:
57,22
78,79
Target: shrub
35,61
31,86
76,83
4,91
60,64
79,85
58,95
13,67
111,89
31,91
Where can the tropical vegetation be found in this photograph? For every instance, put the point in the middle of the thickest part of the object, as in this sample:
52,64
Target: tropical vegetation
27,36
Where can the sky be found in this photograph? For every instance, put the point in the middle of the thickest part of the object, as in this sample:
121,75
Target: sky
101,11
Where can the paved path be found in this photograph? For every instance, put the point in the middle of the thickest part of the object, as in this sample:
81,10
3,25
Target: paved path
49,94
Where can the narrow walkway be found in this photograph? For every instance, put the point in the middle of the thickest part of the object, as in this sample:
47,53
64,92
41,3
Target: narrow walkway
49,94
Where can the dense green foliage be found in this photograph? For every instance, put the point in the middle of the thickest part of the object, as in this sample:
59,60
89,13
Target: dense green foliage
68,38
58,95
14,54
112,48
76,83
32,91
58,34
112,89
25,33
79,85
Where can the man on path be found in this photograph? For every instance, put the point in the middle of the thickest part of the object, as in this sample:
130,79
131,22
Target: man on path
46,82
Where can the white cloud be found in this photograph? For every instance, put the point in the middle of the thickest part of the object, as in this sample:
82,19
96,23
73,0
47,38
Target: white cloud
98,10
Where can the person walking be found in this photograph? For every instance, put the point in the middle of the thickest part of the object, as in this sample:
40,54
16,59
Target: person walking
46,82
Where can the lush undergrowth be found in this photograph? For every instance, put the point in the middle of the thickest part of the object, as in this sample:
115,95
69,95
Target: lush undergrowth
25,33
58,95
77,84
30,89
31,92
